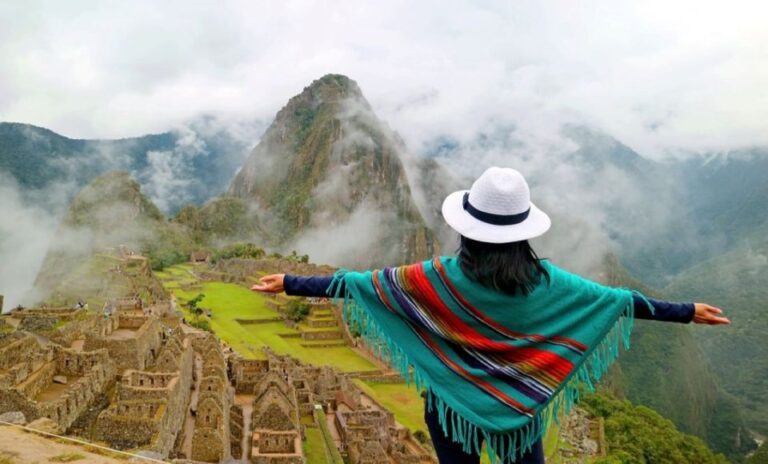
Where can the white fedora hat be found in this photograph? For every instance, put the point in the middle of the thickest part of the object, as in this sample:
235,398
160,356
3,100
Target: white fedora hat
497,209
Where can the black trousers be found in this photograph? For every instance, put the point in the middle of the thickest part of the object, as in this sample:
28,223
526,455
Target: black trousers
449,452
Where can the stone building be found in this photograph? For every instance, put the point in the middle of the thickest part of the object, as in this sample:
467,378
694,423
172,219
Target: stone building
151,404
50,381
276,436
200,257
211,439
133,340
246,373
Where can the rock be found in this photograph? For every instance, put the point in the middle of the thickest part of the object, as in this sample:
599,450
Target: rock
14,417
45,425
60,379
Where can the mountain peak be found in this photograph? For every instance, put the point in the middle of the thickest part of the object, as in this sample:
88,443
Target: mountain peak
334,86
326,167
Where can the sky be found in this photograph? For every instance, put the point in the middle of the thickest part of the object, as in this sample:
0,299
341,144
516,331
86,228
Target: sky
666,78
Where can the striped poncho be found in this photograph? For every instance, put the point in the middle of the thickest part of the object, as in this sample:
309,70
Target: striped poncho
497,367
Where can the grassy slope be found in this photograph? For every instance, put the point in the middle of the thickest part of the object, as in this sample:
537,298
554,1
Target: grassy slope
229,302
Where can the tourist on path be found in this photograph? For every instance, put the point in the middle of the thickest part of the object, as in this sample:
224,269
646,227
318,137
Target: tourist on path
497,338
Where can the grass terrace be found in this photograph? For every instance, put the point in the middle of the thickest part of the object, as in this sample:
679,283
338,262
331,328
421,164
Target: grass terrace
229,302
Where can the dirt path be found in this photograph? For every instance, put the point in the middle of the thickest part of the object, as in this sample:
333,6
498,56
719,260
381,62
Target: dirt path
27,448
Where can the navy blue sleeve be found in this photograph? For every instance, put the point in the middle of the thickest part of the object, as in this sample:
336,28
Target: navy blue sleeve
663,310
307,285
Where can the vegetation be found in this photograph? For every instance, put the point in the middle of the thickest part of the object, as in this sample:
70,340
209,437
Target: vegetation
314,446
736,281
223,218
637,434
297,309
760,456
332,453
239,250
665,364
194,305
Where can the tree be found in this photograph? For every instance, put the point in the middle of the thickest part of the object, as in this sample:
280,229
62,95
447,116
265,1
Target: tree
193,305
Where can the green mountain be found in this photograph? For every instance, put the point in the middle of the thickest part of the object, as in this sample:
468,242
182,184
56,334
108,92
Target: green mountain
666,364
189,164
328,180
736,281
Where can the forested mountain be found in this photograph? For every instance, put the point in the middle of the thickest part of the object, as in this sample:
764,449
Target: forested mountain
664,365
736,280
328,179
186,165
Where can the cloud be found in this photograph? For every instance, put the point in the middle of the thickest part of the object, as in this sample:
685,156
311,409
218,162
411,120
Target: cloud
663,78
25,232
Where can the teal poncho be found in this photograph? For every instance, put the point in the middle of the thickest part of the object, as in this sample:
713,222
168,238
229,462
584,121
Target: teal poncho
496,366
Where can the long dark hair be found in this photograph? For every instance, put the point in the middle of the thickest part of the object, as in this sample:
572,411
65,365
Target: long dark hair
507,267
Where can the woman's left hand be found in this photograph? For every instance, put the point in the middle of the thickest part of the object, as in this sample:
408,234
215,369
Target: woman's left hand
706,314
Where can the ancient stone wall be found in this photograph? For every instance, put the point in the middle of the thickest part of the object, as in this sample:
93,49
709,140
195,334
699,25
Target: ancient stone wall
274,447
321,335
211,439
154,401
247,373
236,424
133,344
130,423
29,385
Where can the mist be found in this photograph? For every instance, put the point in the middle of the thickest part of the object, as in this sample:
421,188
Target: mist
25,233
199,165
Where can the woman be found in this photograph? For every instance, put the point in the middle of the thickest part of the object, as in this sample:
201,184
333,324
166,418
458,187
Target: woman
497,338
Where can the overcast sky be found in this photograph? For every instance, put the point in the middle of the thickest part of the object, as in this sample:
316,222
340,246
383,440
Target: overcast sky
662,76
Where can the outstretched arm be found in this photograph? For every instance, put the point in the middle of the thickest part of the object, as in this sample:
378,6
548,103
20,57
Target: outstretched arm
295,285
699,313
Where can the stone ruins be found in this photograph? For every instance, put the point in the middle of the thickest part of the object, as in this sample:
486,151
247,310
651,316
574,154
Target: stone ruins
135,377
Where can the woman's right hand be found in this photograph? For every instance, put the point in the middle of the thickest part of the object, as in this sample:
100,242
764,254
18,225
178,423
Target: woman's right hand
706,314
272,283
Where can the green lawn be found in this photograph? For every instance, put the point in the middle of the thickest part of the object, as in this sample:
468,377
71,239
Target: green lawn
229,302
314,448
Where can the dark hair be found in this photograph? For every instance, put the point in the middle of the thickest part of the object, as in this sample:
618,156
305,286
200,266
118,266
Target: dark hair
507,267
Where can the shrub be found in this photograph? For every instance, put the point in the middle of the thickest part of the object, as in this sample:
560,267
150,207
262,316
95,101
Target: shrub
297,309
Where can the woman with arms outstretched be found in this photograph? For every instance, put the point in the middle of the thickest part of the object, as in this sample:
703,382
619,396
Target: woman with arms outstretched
497,338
